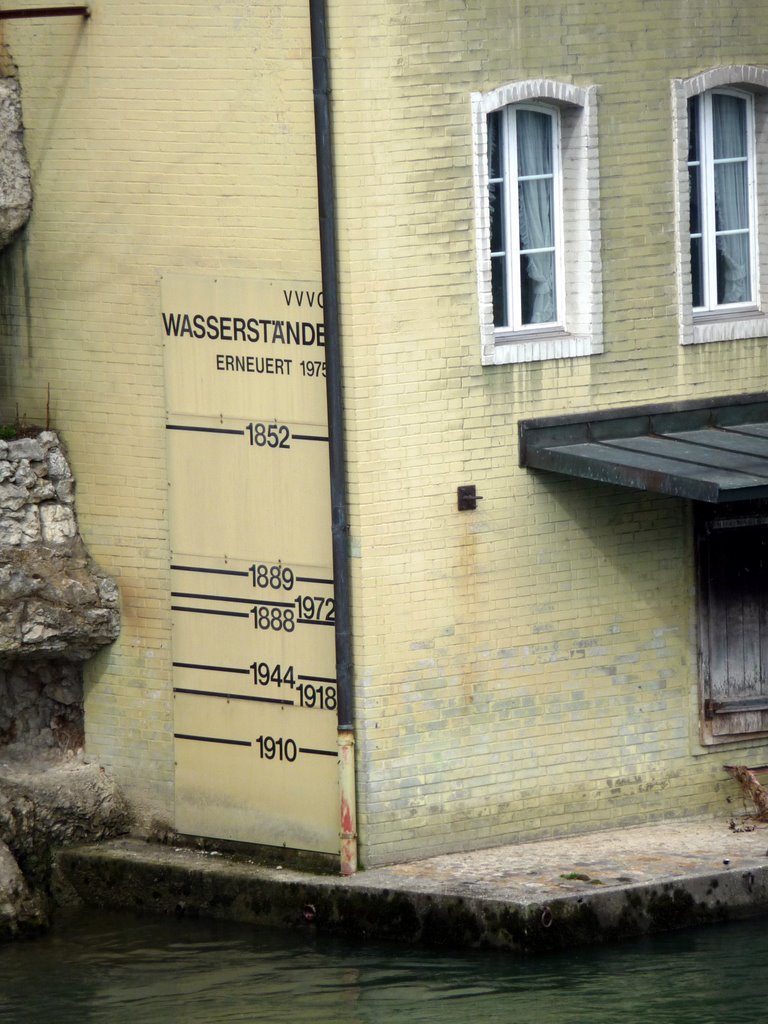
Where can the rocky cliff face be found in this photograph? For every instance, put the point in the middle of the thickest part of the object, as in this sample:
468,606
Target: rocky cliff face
15,175
56,609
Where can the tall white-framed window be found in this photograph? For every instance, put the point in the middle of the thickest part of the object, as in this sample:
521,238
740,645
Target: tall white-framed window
538,221
524,210
721,176
720,130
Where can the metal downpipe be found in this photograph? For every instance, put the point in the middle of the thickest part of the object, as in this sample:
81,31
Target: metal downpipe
339,521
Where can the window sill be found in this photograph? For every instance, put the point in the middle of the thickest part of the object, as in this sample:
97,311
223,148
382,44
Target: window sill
535,346
734,326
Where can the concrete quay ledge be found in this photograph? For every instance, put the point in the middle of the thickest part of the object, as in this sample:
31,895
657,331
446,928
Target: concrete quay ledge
524,898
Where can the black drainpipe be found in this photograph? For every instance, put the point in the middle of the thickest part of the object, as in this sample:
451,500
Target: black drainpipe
340,525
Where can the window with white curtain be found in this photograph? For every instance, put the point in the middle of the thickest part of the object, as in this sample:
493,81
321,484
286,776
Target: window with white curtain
721,158
537,209
524,187
720,133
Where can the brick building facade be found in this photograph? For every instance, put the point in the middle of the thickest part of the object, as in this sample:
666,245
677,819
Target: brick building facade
530,667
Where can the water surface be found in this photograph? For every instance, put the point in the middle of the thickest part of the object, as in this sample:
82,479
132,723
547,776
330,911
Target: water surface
119,969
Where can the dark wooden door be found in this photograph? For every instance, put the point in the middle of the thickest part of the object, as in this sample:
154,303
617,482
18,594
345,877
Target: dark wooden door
733,581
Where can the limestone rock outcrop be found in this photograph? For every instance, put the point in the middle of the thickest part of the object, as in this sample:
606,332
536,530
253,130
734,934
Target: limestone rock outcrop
56,610
56,607
15,174
44,805
54,602
21,910
55,803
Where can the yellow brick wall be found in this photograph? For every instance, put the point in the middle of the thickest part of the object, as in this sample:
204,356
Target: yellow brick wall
530,667
522,670
163,138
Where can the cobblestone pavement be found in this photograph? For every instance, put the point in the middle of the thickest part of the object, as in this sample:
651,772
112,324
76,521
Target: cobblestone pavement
545,870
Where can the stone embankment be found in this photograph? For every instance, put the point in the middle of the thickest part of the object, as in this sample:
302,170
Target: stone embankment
534,897
56,610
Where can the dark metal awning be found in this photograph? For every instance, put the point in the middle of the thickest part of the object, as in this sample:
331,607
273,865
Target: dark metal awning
714,450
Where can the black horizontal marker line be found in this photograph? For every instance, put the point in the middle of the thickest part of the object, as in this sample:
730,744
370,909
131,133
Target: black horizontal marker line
208,611
317,679
200,568
212,668
325,753
231,696
271,604
308,437
212,739
203,430
243,573
212,597
316,622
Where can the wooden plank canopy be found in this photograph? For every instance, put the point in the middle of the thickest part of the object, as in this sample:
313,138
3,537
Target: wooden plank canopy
714,451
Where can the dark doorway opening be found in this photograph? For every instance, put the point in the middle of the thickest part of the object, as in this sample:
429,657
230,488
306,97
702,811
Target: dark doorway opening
732,548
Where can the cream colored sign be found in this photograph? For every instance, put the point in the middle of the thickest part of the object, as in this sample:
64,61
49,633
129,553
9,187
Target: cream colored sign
251,570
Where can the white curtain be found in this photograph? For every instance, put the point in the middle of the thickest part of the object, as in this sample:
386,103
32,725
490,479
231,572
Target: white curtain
537,268
729,126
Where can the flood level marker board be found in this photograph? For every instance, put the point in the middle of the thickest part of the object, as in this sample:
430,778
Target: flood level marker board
252,598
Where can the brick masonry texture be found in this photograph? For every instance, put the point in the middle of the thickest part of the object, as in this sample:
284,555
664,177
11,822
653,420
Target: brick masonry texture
530,668
521,671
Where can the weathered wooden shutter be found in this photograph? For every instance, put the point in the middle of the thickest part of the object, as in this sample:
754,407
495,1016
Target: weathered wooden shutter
733,579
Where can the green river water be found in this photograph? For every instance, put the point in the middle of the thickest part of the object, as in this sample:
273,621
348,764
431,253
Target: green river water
119,969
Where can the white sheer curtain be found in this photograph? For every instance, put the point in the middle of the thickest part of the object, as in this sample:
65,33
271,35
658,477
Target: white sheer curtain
729,131
536,215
